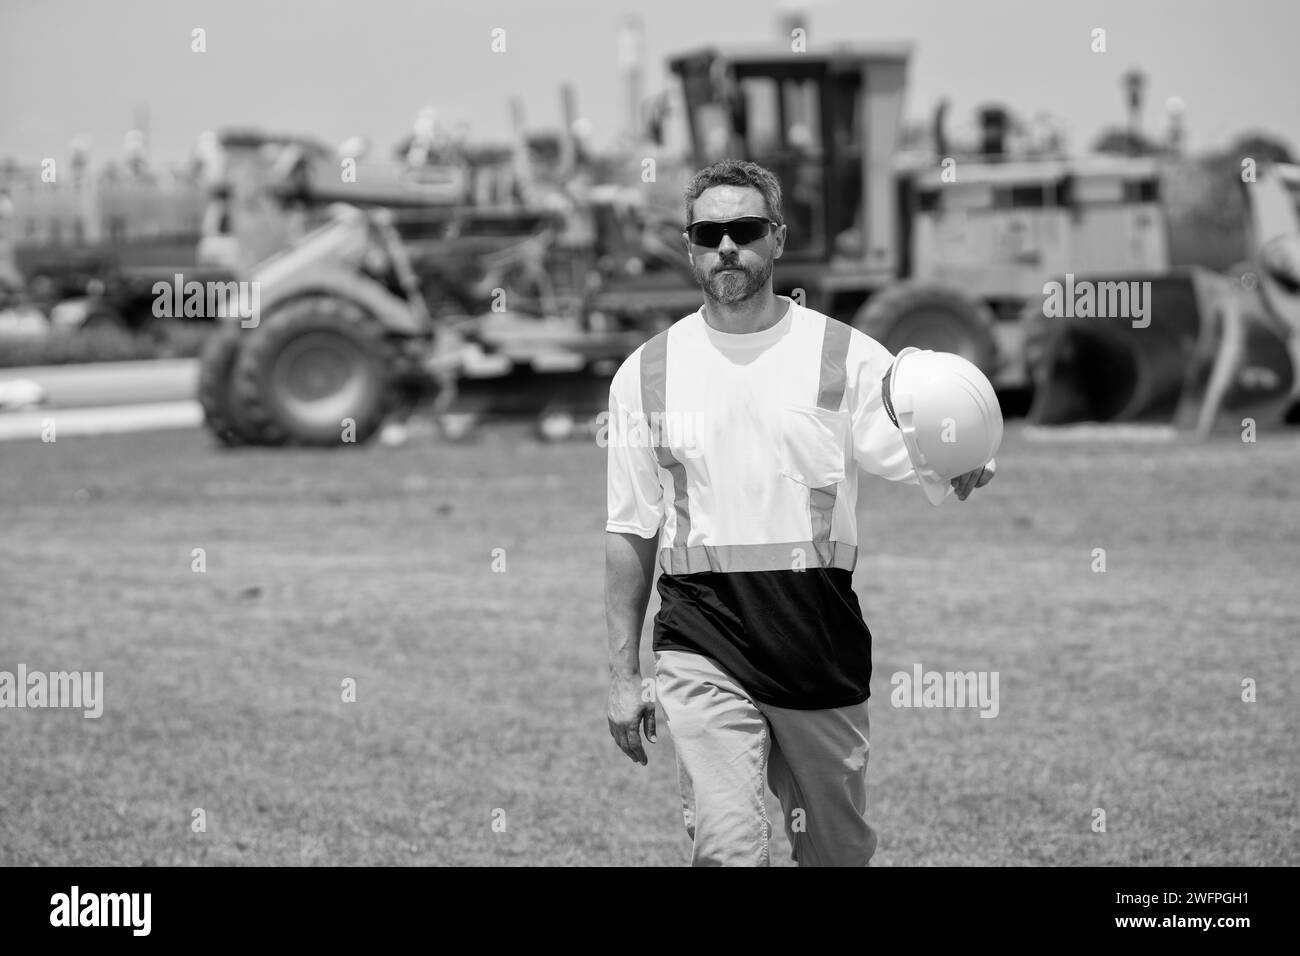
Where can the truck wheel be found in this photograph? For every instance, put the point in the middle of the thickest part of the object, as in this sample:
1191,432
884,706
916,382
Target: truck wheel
931,316
317,372
216,365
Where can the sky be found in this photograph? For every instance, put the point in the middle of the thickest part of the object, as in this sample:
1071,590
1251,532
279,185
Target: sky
337,69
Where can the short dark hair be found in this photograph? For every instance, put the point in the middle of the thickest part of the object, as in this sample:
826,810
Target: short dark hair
736,172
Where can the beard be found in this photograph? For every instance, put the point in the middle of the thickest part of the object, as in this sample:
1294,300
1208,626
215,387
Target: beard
730,288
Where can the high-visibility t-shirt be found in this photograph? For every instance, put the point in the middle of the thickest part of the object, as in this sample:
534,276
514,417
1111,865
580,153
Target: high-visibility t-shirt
741,452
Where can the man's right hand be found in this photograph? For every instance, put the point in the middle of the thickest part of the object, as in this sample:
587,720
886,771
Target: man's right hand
628,713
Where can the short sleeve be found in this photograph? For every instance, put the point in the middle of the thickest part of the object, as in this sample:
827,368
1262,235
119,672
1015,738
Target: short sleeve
634,495
878,446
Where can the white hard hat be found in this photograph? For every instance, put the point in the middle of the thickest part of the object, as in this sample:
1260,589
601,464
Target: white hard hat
948,413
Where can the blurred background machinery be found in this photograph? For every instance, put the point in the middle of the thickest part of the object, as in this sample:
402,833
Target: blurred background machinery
513,279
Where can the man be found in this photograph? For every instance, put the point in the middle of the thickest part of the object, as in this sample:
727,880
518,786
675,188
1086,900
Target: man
730,441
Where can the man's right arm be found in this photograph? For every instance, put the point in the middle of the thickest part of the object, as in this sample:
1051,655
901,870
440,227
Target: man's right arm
636,514
629,572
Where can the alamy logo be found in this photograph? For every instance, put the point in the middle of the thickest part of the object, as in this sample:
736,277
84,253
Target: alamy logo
679,430
102,909
923,688
208,300
1086,299
76,689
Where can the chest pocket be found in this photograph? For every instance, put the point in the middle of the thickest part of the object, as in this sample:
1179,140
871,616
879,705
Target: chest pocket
813,442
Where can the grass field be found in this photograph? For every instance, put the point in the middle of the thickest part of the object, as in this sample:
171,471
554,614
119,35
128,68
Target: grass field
479,691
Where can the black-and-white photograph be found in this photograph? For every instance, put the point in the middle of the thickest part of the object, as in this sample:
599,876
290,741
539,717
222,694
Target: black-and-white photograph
601,433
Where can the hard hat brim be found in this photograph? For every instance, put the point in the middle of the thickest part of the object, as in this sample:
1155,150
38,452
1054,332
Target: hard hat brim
936,489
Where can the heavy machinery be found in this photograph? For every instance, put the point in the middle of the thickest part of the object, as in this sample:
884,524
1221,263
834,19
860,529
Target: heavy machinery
957,252
366,309
941,252
344,334
950,253
103,240
1215,349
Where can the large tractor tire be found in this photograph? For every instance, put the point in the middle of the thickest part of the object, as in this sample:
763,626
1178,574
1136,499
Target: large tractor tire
1087,368
216,368
931,316
317,372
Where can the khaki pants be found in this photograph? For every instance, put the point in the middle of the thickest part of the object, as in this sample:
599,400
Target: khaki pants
814,760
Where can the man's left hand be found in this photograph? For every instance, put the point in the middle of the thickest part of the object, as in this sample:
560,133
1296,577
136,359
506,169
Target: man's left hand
965,484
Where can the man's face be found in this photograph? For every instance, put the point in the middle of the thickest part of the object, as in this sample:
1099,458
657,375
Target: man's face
730,273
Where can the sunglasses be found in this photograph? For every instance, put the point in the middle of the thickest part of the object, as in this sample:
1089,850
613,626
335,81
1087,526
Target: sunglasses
742,231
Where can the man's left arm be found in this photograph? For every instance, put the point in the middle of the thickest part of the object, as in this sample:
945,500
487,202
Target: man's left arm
878,446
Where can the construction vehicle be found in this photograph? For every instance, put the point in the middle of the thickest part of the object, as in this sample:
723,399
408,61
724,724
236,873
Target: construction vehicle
942,253
1275,226
1217,349
956,253
343,333
326,344
392,295
104,240
950,254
